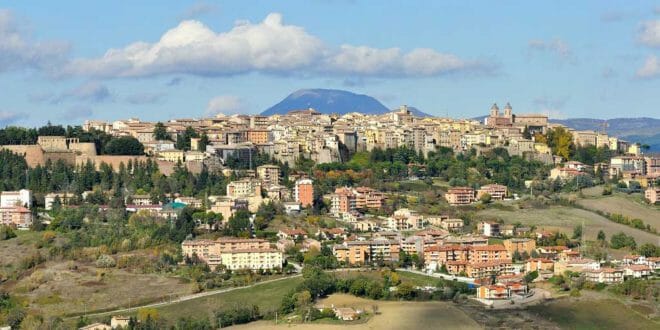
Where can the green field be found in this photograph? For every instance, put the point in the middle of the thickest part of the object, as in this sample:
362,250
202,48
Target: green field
625,205
564,219
592,314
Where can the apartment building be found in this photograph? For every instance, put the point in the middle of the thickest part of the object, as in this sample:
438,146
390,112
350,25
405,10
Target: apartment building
489,228
487,253
22,197
488,268
304,192
252,259
460,196
16,216
496,191
269,174
519,244
244,188
605,275
366,252
652,195
234,253
63,197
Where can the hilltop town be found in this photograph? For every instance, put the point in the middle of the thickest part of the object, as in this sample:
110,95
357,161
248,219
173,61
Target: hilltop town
231,201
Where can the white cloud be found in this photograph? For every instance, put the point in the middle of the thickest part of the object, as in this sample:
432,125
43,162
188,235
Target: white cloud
650,69
267,47
225,104
18,51
8,118
649,34
198,9
556,46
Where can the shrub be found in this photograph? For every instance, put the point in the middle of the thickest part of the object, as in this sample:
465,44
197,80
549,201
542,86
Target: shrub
105,261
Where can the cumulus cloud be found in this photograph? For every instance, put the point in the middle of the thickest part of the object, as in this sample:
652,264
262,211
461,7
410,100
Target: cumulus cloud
267,47
555,46
19,51
198,9
145,98
650,69
649,34
8,117
225,104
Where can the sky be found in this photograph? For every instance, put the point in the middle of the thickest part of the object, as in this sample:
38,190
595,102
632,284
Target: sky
69,61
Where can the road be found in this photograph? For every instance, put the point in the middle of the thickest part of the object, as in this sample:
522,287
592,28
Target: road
439,275
184,298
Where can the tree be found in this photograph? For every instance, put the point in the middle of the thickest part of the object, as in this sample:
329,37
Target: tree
203,142
183,140
577,232
601,236
621,240
124,145
649,250
160,132
239,223
485,198
531,276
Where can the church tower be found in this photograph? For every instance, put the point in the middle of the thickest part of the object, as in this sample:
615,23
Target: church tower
508,111
494,111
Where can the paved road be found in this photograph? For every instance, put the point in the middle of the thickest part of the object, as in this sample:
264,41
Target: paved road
185,298
439,275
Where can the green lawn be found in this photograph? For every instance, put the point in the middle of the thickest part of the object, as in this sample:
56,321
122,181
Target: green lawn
593,314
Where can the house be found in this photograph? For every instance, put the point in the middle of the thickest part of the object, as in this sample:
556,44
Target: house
346,314
309,244
501,290
489,228
190,201
63,197
141,200
293,234
292,207
331,233
605,275
452,224
538,265
96,326
637,271
120,321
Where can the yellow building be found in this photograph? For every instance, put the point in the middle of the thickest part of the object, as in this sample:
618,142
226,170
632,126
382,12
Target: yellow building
252,259
173,156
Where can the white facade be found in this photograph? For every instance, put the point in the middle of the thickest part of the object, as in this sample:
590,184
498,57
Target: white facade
22,197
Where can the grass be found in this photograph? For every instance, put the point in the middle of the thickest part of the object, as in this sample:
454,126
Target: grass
267,296
564,219
592,314
625,205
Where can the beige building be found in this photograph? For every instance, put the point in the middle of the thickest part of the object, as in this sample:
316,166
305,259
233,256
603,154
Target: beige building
460,196
496,191
234,253
269,174
652,195
252,259
244,188
16,216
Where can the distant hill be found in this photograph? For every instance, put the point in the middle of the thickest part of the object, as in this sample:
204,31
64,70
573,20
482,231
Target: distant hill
618,126
331,101
643,130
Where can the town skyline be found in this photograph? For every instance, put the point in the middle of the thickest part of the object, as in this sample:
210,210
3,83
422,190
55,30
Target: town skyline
195,59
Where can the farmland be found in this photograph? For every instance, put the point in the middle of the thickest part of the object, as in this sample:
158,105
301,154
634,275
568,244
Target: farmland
624,205
564,219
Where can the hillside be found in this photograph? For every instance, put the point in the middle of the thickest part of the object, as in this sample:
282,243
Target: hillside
618,126
332,101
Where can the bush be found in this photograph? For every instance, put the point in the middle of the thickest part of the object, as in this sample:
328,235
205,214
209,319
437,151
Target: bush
6,232
105,261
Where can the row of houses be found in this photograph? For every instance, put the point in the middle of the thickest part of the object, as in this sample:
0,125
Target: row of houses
466,195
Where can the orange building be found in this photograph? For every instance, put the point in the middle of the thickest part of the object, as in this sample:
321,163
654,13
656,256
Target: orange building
487,253
460,196
258,136
304,192
519,244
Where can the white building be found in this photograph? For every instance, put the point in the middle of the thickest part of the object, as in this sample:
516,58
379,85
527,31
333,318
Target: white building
22,197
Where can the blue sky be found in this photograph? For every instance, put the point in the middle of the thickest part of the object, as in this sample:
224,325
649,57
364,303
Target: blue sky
67,61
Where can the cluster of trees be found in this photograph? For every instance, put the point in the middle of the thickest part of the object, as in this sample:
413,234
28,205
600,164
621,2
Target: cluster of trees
133,177
637,289
621,240
631,222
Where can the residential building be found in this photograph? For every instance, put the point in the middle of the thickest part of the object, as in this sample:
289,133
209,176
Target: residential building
234,253
63,197
519,244
652,195
252,259
22,197
304,192
605,275
269,174
489,228
460,196
539,264
496,191
16,216
244,188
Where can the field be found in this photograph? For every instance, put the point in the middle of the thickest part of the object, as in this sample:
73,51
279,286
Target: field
564,219
391,315
592,314
624,205
61,288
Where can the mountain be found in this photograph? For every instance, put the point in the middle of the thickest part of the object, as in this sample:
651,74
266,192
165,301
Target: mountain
331,101
620,127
